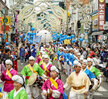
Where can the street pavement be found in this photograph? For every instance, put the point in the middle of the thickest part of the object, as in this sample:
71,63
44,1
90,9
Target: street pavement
102,92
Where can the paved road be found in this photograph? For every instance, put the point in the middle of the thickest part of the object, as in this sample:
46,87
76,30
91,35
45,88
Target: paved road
102,92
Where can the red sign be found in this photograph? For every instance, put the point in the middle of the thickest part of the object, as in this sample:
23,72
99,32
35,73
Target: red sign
1,32
6,27
101,14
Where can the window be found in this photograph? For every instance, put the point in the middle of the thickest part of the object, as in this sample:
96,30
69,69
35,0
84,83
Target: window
106,5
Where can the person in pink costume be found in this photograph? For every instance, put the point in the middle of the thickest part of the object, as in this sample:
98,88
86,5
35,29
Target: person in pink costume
53,87
39,58
6,77
46,65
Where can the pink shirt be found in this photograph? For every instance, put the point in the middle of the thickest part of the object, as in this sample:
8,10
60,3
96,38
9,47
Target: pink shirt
47,84
8,85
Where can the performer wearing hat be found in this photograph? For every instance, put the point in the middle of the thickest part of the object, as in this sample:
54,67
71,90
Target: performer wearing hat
39,58
79,81
88,72
59,54
46,65
53,87
6,77
19,91
90,75
29,71
94,70
71,60
65,60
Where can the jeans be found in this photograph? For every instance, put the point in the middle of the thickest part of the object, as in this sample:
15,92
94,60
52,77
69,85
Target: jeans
21,59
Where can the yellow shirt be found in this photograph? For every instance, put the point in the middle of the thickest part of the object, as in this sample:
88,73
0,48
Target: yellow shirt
78,80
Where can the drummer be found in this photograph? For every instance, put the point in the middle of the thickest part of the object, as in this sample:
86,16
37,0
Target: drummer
46,65
27,71
53,87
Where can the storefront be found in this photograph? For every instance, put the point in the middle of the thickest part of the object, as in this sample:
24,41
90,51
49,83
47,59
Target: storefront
3,11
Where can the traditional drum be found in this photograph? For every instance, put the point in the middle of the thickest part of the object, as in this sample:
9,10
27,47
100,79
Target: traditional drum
32,79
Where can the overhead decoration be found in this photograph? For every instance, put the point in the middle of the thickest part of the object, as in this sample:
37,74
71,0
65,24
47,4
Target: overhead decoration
44,15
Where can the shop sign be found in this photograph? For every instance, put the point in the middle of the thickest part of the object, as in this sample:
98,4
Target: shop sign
95,22
101,14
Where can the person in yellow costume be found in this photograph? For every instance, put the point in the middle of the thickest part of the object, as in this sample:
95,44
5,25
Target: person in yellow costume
79,82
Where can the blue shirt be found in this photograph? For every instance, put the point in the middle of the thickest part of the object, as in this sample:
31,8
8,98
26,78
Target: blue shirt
89,74
22,52
58,54
71,58
68,55
65,57
33,52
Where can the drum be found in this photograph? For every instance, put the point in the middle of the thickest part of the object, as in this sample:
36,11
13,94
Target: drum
32,79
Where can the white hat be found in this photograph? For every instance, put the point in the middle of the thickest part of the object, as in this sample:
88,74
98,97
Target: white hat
53,68
77,63
78,54
85,61
76,51
41,51
18,79
8,61
61,48
31,58
81,58
65,49
90,60
70,49
45,56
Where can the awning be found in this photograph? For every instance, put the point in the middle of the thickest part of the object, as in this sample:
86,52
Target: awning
97,33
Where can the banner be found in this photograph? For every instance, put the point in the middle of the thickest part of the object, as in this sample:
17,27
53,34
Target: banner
6,20
67,41
36,39
101,14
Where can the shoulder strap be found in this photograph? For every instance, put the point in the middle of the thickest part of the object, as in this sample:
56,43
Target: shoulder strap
55,84
31,69
8,73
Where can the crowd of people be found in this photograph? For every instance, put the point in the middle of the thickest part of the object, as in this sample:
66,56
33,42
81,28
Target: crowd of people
85,69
